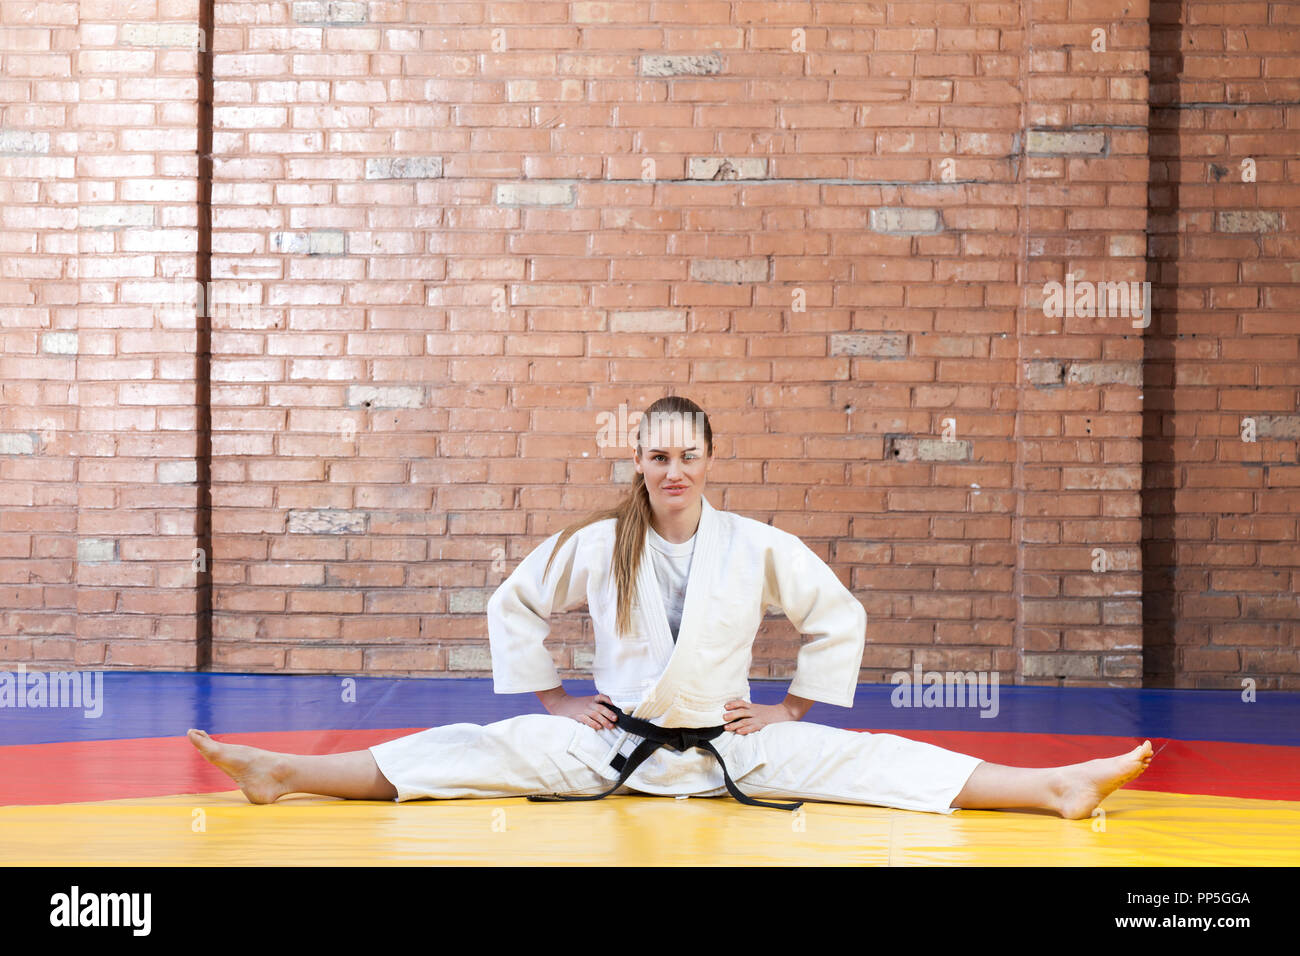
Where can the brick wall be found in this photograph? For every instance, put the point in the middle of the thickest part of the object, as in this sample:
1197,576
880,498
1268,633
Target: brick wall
434,241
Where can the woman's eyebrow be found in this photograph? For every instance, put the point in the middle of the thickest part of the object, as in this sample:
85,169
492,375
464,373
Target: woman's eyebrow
692,448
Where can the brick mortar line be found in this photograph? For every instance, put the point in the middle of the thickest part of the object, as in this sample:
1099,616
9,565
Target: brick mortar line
74,74
731,182
1017,439
1224,106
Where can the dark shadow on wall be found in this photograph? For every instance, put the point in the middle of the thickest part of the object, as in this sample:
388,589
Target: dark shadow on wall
1164,250
203,345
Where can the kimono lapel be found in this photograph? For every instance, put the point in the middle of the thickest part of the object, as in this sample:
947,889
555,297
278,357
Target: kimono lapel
694,608
654,616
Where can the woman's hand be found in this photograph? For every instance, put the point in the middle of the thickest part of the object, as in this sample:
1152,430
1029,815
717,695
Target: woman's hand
585,710
743,717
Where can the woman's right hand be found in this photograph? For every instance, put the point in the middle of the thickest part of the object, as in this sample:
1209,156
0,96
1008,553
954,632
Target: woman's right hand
585,710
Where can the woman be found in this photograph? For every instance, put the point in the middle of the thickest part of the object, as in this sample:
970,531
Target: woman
676,590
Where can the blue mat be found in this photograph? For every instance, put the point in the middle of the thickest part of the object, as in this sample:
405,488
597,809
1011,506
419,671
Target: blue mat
165,704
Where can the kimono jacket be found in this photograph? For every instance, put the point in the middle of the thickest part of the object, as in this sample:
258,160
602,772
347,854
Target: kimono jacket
740,569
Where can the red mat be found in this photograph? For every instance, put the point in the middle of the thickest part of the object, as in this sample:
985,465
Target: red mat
163,766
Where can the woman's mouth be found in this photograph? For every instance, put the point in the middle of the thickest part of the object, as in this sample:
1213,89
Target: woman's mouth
674,489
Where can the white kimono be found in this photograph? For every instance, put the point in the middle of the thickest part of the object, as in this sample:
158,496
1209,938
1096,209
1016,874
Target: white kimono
740,568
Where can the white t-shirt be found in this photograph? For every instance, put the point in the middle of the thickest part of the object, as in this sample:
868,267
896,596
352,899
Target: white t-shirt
672,564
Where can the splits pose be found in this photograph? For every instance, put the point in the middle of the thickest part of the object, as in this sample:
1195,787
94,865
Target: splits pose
676,590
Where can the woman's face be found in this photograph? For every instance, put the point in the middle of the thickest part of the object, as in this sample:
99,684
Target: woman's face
675,462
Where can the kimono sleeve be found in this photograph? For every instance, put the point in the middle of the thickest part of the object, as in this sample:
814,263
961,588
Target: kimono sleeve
818,604
517,616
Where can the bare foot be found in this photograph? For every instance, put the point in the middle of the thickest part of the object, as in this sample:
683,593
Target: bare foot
1081,786
260,774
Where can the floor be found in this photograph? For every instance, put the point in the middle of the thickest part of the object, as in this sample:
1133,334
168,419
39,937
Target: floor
125,787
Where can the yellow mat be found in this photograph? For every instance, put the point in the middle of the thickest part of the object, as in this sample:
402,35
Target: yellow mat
219,829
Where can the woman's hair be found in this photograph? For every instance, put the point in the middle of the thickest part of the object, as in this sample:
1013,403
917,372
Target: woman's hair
633,512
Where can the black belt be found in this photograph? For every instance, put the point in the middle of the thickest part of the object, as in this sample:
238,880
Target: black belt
678,738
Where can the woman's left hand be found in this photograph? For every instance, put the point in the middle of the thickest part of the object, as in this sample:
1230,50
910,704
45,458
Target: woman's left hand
744,717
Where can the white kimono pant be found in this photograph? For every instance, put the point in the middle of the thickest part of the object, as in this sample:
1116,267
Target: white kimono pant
542,753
